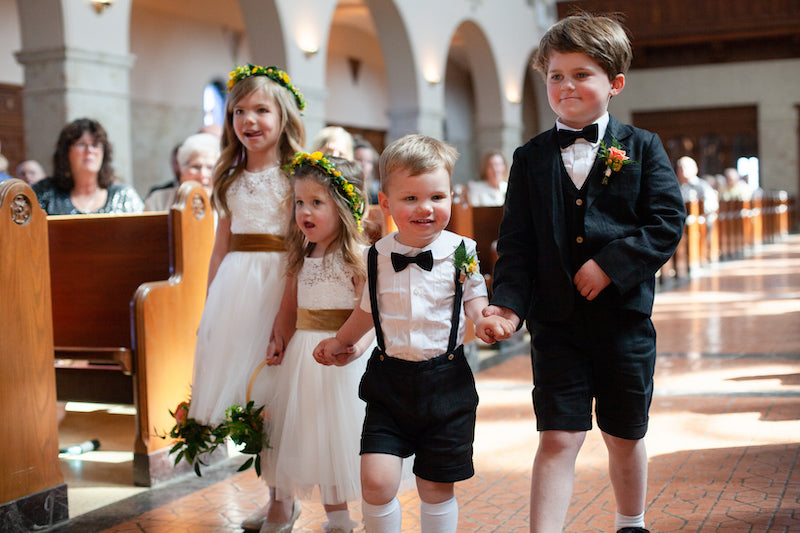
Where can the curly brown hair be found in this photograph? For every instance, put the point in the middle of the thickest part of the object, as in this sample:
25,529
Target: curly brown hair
62,172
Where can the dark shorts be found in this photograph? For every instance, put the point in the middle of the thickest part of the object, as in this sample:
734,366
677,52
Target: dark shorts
424,408
599,355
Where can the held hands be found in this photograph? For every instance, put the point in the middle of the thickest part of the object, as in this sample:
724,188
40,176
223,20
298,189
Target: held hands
591,280
282,330
498,323
332,352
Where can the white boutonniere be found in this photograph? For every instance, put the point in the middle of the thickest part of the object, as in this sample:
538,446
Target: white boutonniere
467,264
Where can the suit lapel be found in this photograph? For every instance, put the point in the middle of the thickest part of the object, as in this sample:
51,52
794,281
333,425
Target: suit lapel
551,178
614,130
550,187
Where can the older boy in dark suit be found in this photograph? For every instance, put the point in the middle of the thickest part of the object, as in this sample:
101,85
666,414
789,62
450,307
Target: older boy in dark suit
592,212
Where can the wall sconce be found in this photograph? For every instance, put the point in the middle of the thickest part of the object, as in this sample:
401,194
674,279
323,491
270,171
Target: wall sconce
432,76
309,51
307,41
101,5
512,95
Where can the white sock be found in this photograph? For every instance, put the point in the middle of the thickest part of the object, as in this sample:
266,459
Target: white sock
620,521
439,517
386,518
340,519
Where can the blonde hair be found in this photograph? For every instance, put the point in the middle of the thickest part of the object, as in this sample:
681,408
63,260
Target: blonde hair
233,157
417,154
350,239
601,37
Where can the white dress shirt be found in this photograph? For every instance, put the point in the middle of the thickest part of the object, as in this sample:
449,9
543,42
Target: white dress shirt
416,306
579,157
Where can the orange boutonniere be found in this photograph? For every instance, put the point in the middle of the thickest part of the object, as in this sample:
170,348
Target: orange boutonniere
614,157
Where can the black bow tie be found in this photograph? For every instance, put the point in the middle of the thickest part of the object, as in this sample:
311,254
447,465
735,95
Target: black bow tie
423,259
568,137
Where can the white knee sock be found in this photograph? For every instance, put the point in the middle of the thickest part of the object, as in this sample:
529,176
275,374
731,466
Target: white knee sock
620,521
439,517
385,518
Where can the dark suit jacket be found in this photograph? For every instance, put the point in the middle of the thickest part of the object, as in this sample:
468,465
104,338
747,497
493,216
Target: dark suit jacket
632,226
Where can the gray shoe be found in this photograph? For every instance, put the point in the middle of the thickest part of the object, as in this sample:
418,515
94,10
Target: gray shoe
254,521
284,527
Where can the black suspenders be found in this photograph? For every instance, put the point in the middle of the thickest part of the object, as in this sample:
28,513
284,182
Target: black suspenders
372,279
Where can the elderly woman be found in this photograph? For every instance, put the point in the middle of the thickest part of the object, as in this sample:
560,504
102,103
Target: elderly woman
83,179
490,190
196,158
334,140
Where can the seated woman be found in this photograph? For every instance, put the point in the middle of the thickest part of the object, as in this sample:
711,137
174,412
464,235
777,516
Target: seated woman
83,180
196,159
490,190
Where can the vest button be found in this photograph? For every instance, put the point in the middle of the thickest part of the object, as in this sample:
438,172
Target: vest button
381,357
579,240
579,202
450,357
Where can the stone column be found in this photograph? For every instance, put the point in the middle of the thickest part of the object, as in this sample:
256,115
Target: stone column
64,84
77,64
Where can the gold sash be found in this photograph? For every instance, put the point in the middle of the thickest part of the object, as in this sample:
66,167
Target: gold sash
256,242
322,319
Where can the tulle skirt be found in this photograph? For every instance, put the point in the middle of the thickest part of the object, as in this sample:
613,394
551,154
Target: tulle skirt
234,332
315,425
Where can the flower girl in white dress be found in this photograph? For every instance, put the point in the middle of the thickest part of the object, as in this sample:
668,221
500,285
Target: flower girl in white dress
316,412
263,130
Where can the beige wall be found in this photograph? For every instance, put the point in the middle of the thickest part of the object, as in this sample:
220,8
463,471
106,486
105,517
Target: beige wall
770,85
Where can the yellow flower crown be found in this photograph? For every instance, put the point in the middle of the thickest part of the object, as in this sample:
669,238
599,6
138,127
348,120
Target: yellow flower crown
343,187
274,73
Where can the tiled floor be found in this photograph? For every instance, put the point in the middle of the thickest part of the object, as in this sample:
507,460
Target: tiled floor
723,441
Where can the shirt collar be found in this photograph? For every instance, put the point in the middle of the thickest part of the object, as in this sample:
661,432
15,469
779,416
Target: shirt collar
602,124
443,247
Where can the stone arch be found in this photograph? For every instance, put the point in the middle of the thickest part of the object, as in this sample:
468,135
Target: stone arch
488,94
265,32
401,71
533,100
472,78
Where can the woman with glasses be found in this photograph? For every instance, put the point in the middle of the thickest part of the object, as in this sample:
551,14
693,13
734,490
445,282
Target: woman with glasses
83,179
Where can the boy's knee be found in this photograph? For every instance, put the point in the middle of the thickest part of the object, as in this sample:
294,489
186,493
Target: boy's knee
376,494
560,442
620,445
434,492
377,488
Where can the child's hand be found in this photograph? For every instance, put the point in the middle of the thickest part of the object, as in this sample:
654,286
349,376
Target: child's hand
332,352
503,312
494,328
591,280
274,353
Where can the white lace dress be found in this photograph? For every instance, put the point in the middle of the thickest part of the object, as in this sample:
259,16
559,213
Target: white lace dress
242,301
316,413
